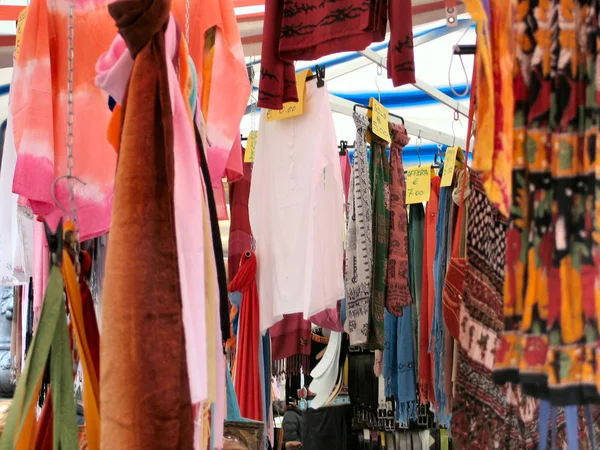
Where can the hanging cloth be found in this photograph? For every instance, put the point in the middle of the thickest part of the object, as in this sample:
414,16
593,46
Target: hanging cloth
51,340
359,241
380,179
247,377
416,235
142,307
426,391
398,293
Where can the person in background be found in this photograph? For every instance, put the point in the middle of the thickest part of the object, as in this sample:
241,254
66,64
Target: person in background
293,423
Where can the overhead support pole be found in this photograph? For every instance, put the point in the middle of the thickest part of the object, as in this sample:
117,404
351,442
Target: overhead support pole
346,107
421,85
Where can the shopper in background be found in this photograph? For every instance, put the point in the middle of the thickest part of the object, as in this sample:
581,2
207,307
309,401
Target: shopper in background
293,422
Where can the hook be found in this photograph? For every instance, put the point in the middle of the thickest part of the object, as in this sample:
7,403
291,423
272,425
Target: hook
379,73
53,192
456,119
419,142
468,87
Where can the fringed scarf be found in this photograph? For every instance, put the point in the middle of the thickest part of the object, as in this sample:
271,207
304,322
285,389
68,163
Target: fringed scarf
291,339
398,289
380,182
247,376
145,400
359,241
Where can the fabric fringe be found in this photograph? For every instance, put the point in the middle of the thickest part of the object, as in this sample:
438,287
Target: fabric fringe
293,365
405,412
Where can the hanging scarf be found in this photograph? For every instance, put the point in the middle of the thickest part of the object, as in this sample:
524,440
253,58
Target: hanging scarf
51,340
359,247
398,290
247,377
416,236
437,343
426,391
142,302
380,182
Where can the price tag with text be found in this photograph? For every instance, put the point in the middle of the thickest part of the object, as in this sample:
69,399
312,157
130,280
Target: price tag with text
251,147
449,165
418,184
292,109
20,29
380,119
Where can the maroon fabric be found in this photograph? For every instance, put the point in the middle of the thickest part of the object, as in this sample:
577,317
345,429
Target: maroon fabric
312,29
290,336
398,290
240,234
329,319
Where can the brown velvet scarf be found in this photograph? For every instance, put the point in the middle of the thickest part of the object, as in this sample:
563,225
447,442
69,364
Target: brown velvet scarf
145,394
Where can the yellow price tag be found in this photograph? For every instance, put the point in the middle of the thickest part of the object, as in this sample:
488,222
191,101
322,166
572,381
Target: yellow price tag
418,184
292,109
251,147
380,119
20,29
449,165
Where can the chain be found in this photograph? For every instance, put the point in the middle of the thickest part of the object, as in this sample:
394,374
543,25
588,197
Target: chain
70,123
187,21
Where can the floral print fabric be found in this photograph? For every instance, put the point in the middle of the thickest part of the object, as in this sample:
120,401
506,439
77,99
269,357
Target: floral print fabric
551,289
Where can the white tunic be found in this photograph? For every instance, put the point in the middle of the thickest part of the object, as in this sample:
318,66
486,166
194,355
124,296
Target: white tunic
297,212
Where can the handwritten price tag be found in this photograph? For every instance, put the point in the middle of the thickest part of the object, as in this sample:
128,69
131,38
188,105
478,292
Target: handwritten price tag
251,147
20,29
380,120
418,184
292,109
449,165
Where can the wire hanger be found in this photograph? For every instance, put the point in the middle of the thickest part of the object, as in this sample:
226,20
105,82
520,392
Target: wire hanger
358,105
456,119
454,52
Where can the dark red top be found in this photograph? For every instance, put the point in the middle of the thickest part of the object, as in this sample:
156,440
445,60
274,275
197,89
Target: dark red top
310,29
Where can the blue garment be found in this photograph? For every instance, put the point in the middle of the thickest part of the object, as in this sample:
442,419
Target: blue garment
235,298
438,331
399,364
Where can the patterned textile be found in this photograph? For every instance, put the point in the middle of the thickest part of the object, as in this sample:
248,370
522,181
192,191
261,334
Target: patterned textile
398,289
380,182
551,286
484,414
359,244
494,92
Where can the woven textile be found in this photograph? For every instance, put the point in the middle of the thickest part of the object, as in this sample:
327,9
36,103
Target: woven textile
481,408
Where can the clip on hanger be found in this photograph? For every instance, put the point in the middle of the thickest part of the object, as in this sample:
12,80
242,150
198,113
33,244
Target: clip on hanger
343,147
319,75
55,242
369,108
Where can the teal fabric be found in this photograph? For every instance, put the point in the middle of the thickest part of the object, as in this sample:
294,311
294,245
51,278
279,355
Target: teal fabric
194,94
233,407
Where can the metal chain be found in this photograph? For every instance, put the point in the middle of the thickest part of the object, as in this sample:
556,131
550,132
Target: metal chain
70,124
187,21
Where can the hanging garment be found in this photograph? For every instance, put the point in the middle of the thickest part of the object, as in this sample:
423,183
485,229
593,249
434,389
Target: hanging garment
399,365
240,234
50,343
398,293
329,319
16,222
493,89
297,212
290,345
187,198
216,48
481,407
247,376
416,235
426,364
346,173
311,30
142,305
359,241
550,311
380,180
437,342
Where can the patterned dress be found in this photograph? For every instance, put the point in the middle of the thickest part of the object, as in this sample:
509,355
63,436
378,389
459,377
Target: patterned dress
551,289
